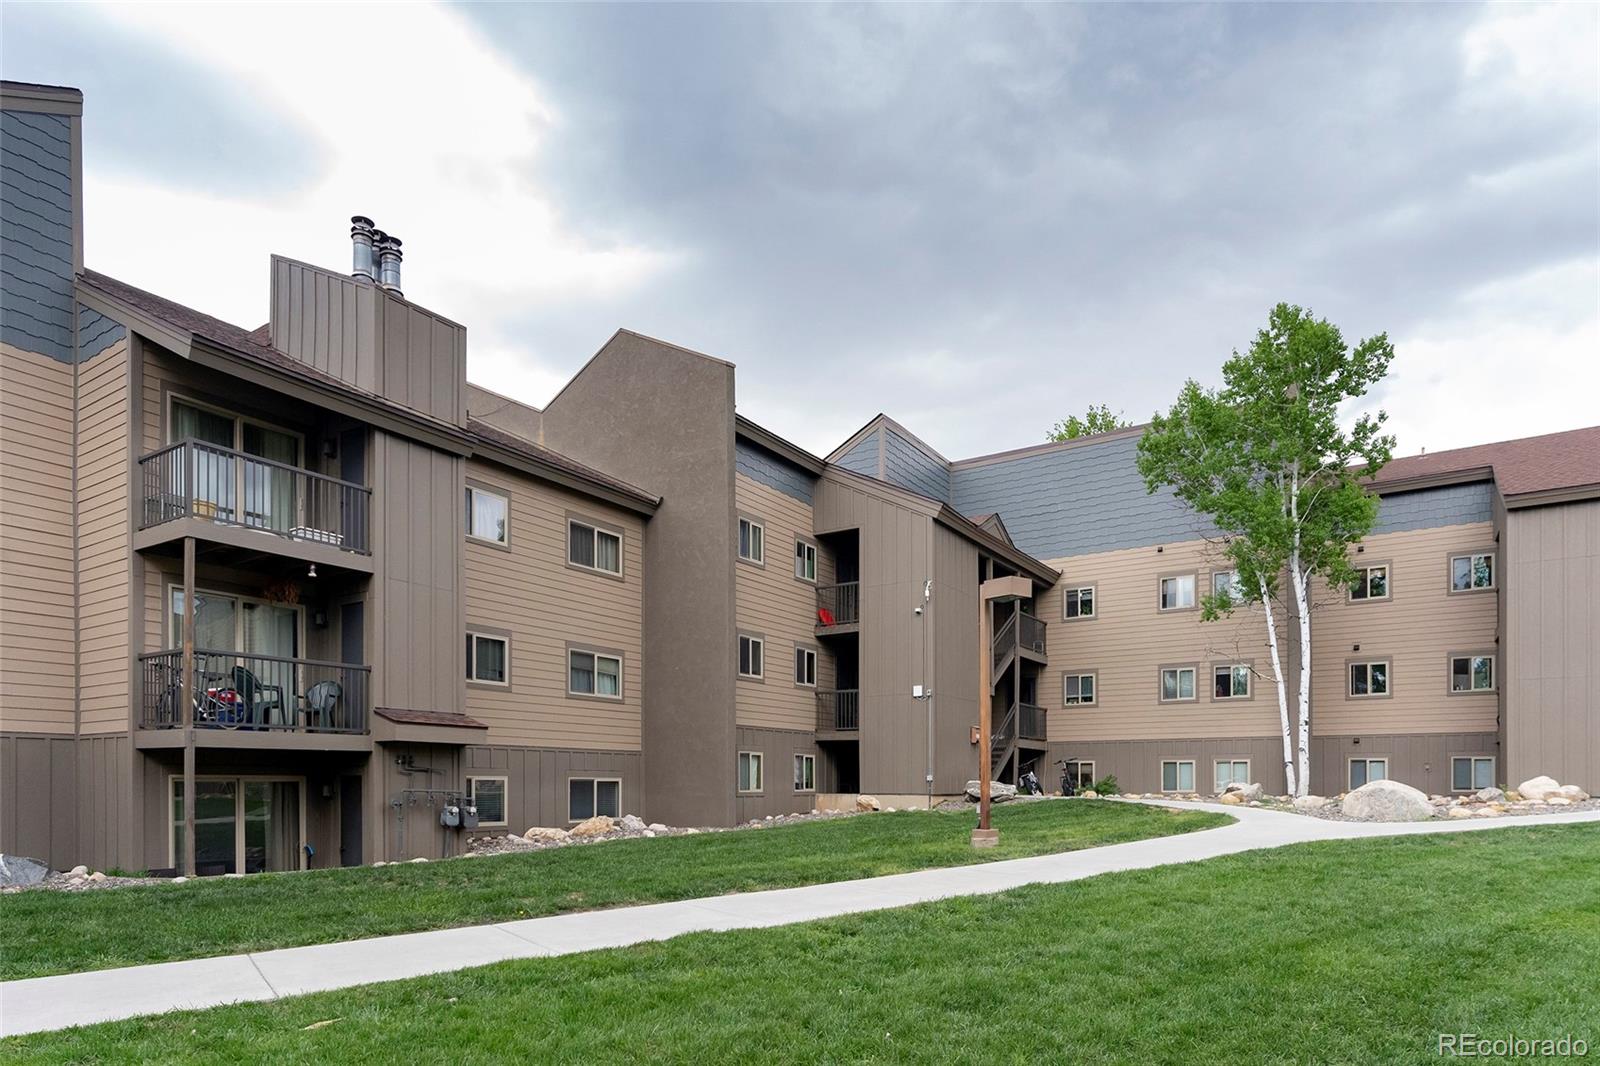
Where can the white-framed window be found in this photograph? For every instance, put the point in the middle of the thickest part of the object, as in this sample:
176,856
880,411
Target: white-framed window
488,659
752,541
591,796
1077,689
1472,673
1177,683
1227,772
751,653
593,548
1230,682
750,778
805,560
1177,593
1177,775
1472,572
488,516
1363,771
1227,581
805,667
1371,583
1369,679
805,773
1080,774
594,673
1469,773
1078,602
488,794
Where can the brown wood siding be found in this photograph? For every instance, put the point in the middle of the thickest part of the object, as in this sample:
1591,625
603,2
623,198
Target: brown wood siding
104,551
36,564
1552,620
771,601
1129,640
955,660
530,592
38,783
536,781
1416,629
778,747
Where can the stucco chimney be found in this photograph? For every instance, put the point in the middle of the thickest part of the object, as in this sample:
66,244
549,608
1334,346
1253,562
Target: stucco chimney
363,265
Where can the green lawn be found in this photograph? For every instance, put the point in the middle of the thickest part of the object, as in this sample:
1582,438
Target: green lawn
54,932
1337,952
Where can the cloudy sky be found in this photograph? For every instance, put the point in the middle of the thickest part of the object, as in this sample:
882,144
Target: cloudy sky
977,219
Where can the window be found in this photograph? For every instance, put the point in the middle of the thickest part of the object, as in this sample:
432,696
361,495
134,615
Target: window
1077,689
1231,682
1369,679
805,560
593,548
1363,771
243,824
222,482
1371,583
488,516
749,771
592,673
750,653
487,658
488,794
805,667
752,541
1230,772
1177,683
1468,773
1079,774
1078,603
1472,573
805,773
591,796
1226,582
1177,775
1177,593
1472,673
238,623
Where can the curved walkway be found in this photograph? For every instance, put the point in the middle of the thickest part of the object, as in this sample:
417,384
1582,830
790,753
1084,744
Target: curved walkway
45,1003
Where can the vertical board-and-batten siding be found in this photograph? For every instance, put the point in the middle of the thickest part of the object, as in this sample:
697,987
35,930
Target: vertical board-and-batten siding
530,593
36,233
1552,620
37,671
771,601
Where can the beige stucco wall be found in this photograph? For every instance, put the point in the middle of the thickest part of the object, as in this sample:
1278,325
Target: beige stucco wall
772,602
36,580
1416,629
531,593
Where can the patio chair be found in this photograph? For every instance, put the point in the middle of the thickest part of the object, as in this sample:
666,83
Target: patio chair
320,706
259,699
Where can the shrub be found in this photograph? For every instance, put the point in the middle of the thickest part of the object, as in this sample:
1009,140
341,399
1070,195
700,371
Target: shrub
1107,786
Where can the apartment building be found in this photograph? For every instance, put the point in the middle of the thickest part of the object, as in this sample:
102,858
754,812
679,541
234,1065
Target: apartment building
421,610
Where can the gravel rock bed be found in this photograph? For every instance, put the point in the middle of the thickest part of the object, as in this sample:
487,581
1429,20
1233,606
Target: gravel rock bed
630,827
1331,810
87,881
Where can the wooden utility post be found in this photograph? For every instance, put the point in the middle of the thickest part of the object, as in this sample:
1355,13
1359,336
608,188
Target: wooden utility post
187,695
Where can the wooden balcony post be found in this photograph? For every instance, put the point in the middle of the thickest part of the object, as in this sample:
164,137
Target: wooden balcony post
187,696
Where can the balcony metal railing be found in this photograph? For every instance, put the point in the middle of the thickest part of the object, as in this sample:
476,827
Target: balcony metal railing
195,479
839,605
234,690
839,711
1017,633
1030,722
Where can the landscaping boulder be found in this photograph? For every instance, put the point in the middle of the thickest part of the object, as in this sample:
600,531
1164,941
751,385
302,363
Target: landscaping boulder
598,826
540,833
632,823
1489,795
1387,801
1309,803
1090,794
1230,798
15,871
1539,788
1571,792
998,791
868,803
1245,792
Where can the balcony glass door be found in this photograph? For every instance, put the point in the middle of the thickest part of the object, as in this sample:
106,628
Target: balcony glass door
242,825
260,494
214,475
269,489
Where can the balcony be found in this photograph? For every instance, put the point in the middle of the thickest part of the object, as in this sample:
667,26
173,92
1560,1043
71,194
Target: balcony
1021,634
196,489
246,695
839,607
839,711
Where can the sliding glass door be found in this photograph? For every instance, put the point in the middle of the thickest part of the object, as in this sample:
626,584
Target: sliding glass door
258,490
242,824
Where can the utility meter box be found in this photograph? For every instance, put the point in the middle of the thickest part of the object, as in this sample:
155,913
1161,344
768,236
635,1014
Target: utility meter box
469,816
450,816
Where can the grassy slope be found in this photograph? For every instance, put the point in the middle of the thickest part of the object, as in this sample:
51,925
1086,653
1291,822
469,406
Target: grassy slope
1330,952
51,932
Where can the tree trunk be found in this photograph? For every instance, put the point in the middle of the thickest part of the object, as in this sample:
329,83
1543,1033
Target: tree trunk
1303,609
1283,693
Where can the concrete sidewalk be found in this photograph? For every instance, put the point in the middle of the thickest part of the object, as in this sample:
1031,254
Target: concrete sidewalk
47,1003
